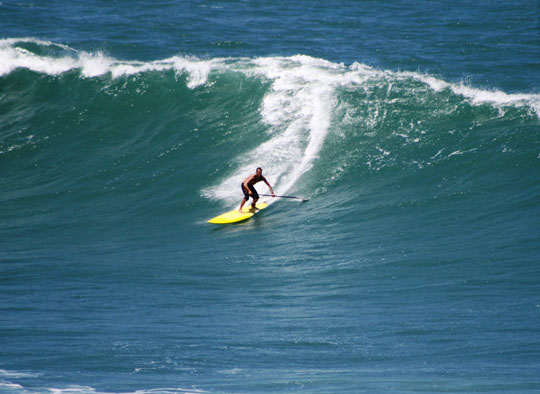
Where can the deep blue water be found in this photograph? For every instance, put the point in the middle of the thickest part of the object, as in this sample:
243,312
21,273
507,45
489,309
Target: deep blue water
412,128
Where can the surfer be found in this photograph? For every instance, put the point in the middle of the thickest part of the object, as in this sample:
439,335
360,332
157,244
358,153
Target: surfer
249,190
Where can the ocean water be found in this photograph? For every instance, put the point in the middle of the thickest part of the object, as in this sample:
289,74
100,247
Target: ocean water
413,128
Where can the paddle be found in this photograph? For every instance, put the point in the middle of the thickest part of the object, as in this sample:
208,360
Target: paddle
296,198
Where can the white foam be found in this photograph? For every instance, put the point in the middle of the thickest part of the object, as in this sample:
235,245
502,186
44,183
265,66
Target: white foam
91,390
15,374
10,386
12,58
75,389
91,65
94,65
498,98
477,96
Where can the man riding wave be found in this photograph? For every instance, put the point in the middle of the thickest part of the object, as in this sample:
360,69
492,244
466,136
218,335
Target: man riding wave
249,190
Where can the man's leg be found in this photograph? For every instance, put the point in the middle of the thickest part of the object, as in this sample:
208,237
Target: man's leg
242,205
246,197
253,204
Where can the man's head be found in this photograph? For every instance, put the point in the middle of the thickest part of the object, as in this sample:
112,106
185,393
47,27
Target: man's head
259,171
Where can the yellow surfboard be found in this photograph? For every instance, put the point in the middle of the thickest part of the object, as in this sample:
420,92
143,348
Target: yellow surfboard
235,216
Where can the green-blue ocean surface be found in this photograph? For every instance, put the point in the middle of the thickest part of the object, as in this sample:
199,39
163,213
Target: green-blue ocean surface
412,128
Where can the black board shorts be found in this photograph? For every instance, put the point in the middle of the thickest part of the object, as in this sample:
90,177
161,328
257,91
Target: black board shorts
246,192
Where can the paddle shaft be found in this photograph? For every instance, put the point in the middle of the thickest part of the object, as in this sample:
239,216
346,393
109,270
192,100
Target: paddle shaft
296,198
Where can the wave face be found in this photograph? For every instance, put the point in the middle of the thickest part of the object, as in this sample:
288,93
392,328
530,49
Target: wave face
302,119
422,192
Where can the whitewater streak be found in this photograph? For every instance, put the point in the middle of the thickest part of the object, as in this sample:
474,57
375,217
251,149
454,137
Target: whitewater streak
297,108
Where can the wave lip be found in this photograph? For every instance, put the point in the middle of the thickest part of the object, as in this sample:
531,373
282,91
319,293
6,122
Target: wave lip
479,96
283,71
14,55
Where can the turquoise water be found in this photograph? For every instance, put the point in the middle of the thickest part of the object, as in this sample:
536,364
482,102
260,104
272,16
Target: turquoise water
413,130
